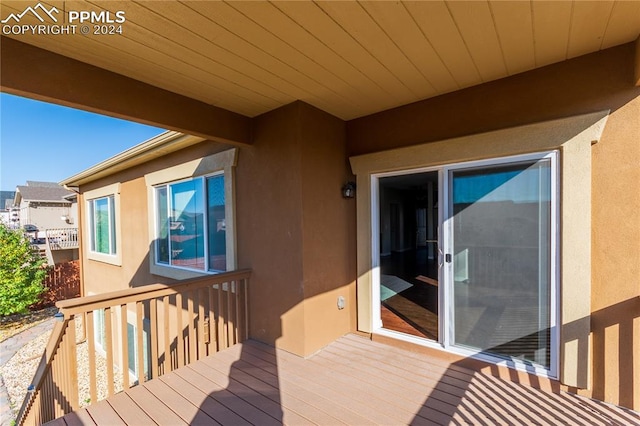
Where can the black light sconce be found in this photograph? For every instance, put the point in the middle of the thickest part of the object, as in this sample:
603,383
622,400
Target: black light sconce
349,190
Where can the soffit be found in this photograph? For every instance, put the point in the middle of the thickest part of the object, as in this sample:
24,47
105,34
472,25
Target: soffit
348,58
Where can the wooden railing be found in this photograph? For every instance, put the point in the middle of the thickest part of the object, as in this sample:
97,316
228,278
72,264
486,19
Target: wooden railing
62,238
166,327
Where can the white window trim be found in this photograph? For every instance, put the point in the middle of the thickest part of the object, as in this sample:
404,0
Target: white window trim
220,163
89,196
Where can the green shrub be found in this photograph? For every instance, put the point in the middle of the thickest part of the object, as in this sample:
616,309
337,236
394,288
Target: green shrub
22,272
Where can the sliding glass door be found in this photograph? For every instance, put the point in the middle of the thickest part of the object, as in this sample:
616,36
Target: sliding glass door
500,256
488,281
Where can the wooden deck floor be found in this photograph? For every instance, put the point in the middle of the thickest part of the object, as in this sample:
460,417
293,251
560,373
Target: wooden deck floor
353,381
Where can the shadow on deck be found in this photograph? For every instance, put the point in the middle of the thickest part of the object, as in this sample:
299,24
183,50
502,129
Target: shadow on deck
352,381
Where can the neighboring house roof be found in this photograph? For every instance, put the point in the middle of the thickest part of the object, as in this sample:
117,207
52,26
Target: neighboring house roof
42,192
6,199
42,184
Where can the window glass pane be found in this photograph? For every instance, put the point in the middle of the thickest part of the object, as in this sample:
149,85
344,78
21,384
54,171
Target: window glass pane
217,224
502,248
102,230
162,231
187,224
92,226
112,224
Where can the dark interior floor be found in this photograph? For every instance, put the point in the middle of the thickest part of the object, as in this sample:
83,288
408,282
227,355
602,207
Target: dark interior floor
413,310
411,307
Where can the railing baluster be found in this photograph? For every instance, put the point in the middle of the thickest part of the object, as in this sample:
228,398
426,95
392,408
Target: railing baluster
49,397
180,331
213,331
153,326
139,343
124,341
63,372
236,322
71,379
192,330
108,349
221,320
245,281
229,315
56,378
91,346
168,364
201,324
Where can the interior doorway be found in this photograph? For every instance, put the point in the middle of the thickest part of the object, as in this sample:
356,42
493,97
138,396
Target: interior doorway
409,220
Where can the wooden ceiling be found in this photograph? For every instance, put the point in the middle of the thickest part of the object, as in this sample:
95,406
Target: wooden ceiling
348,58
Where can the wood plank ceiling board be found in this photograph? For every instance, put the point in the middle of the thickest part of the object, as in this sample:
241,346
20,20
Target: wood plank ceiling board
156,47
95,51
325,29
323,85
273,70
355,20
589,22
551,24
208,38
624,24
176,36
475,23
436,23
285,28
118,54
514,26
396,21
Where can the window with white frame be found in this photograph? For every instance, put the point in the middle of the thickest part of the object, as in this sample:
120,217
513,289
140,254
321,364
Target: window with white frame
191,224
102,225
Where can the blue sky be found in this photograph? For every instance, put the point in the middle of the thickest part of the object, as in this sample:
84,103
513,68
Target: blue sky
47,142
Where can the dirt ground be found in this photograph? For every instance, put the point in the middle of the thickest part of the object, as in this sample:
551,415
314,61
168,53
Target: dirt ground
11,325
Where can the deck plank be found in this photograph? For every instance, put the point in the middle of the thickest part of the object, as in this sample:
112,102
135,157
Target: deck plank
256,378
180,405
128,410
448,387
207,403
226,398
267,372
153,407
467,381
79,418
351,381
264,401
103,414
357,396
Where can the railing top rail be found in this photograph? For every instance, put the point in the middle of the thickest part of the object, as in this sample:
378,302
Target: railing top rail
89,303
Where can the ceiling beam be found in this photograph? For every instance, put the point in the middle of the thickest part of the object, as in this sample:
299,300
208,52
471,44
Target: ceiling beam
31,72
637,63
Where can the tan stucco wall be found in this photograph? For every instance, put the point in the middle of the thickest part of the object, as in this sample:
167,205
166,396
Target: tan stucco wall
596,82
295,231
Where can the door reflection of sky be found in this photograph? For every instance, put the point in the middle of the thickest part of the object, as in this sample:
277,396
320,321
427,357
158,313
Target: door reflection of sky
518,184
